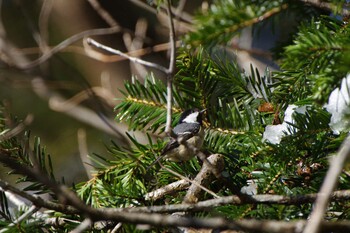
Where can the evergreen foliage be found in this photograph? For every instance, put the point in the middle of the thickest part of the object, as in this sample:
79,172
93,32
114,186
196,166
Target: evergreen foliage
312,65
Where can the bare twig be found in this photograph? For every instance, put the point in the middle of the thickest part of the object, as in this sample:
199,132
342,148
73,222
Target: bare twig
197,183
43,25
16,130
136,43
69,107
116,228
83,152
186,18
133,59
207,205
65,43
325,6
167,189
204,177
103,13
164,220
329,184
38,201
170,70
83,226
194,182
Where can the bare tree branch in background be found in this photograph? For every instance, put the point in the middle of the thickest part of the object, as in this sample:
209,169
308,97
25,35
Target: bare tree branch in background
329,184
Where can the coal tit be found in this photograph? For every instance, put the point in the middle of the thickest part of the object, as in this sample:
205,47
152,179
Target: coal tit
189,129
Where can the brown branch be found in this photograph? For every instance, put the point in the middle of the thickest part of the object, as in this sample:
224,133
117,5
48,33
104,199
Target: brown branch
329,184
133,59
36,200
43,25
83,226
17,129
121,215
103,57
325,6
103,13
207,205
167,189
65,43
204,177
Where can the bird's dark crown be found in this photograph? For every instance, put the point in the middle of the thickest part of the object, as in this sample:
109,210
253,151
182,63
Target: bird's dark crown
188,112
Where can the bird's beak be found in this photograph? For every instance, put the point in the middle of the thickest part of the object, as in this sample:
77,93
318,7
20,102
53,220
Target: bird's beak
202,111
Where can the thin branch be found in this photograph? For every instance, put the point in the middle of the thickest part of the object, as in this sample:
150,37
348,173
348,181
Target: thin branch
116,228
167,189
186,18
69,107
65,43
207,205
329,184
103,13
204,177
18,129
164,220
325,6
133,59
193,182
171,40
136,43
43,25
26,214
83,226
38,201
83,151
170,70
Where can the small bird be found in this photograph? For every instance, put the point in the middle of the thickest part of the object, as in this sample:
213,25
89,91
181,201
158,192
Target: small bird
189,129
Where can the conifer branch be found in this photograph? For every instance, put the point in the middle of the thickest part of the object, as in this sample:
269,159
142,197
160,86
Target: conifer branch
38,201
27,214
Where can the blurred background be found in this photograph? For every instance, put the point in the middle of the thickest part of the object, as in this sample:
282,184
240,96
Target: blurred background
71,94
48,71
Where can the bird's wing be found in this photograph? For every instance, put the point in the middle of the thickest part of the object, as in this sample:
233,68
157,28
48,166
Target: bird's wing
169,146
183,130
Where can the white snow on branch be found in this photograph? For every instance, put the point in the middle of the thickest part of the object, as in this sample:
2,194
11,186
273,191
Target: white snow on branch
339,106
275,133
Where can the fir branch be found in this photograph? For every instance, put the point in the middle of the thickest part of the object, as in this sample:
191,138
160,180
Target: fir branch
225,19
32,210
311,64
268,199
38,201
